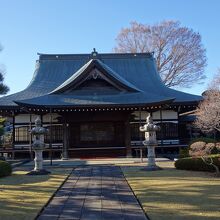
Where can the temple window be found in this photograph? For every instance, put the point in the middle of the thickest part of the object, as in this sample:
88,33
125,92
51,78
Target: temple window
22,134
57,134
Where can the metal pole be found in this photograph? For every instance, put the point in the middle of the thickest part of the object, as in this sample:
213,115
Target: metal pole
51,151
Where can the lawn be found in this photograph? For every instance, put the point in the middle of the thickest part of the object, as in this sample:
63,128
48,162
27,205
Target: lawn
23,196
171,194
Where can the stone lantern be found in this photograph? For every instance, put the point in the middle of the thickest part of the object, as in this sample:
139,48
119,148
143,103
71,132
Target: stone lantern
38,146
151,142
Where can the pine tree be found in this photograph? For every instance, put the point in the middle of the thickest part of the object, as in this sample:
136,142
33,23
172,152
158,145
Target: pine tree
3,88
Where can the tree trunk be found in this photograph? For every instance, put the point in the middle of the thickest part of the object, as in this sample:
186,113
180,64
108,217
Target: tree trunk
211,163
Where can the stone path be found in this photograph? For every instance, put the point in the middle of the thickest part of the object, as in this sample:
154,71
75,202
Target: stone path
94,193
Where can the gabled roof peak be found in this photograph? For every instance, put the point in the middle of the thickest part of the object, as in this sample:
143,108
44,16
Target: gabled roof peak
83,73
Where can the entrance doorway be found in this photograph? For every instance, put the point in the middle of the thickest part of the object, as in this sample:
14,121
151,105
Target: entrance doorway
97,139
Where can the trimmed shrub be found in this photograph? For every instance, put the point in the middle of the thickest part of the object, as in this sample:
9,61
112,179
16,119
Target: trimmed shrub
203,139
5,168
197,164
195,147
202,148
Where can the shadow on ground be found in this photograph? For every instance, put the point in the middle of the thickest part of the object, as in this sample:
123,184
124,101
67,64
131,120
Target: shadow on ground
176,194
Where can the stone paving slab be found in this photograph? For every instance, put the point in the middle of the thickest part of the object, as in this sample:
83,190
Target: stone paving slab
94,193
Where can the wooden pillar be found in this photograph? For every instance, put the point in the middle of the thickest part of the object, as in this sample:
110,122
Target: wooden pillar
42,121
13,135
161,122
50,145
65,140
140,135
128,139
30,136
180,136
162,131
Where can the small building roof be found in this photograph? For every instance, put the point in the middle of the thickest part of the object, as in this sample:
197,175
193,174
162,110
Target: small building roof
57,78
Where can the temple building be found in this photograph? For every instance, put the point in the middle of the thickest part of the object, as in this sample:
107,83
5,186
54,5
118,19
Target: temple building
93,105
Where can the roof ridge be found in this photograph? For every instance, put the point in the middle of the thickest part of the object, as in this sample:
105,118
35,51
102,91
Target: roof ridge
43,56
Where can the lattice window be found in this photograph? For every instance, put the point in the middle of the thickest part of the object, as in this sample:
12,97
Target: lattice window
169,130
22,134
136,135
57,134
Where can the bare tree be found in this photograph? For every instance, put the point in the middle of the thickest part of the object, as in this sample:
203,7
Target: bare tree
208,111
215,83
180,55
3,88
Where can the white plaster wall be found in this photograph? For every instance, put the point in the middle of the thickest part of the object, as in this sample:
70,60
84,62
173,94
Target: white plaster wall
166,115
25,118
46,118
143,114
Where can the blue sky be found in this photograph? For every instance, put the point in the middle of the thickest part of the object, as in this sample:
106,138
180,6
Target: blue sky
77,26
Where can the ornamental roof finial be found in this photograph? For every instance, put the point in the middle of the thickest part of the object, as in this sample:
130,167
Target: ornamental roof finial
94,52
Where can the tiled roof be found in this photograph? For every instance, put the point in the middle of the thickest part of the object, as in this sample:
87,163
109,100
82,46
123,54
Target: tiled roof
136,71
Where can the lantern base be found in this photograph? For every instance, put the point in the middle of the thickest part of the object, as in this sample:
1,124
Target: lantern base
151,168
38,172
64,158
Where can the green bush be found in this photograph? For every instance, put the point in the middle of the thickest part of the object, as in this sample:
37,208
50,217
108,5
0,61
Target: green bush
197,164
215,150
5,168
2,158
183,153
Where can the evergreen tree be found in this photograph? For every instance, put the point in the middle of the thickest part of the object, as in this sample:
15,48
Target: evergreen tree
3,88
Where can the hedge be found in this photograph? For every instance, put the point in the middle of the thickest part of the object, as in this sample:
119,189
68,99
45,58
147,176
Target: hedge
2,158
197,164
183,153
5,168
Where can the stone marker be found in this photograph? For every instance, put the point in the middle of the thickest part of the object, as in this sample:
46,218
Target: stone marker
151,142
